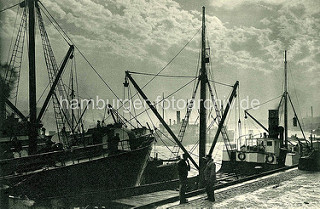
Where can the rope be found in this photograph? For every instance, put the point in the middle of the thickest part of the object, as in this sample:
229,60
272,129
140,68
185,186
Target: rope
91,66
172,59
43,93
129,96
163,68
194,146
264,102
164,141
195,85
166,136
220,150
194,154
168,76
15,23
64,35
255,126
148,115
223,84
295,92
211,73
197,71
77,85
164,98
9,7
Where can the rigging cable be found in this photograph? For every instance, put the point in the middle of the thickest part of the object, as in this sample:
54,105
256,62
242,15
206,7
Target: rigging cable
122,104
9,7
166,136
194,146
64,35
77,90
43,93
172,58
41,96
168,76
134,109
163,68
91,66
295,92
211,73
15,23
188,112
165,97
192,97
270,100
238,122
197,70
223,84
148,114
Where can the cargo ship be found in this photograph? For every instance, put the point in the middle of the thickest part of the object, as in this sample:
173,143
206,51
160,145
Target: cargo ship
33,164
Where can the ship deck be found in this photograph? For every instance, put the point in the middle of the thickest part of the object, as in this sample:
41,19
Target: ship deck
58,159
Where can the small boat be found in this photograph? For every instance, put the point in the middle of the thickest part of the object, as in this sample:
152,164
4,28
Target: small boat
271,150
310,159
260,154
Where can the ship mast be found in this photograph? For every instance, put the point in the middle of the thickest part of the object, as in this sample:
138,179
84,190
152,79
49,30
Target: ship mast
285,101
32,80
72,98
203,92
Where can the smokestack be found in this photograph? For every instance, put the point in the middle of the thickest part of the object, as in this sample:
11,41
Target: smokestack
170,122
273,123
311,117
178,117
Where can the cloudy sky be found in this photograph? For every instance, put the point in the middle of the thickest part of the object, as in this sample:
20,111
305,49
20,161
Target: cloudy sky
247,39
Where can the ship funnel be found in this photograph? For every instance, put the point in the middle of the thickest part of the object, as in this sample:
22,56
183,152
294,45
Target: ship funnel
273,123
178,117
295,121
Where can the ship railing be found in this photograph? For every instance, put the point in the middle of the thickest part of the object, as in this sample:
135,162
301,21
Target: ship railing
253,148
31,162
42,160
124,145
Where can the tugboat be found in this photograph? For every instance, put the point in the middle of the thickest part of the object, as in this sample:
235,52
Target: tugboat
258,154
32,165
271,150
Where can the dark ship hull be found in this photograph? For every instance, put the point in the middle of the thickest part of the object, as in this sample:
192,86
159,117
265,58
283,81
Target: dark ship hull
105,173
246,168
310,162
158,170
250,163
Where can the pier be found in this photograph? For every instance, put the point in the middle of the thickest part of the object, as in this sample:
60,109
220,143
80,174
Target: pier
222,194
226,188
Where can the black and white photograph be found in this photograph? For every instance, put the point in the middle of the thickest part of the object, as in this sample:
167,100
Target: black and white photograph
159,104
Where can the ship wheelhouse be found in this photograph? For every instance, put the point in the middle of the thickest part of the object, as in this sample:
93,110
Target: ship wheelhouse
257,150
